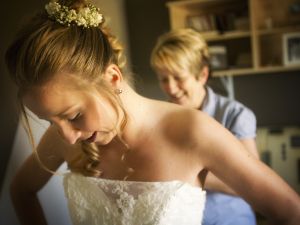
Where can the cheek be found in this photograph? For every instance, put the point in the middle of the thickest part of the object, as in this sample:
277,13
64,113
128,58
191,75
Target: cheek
163,86
88,122
185,86
91,125
83,125
102,119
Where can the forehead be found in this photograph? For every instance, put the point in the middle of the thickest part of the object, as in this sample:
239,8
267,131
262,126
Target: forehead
173,73
53,96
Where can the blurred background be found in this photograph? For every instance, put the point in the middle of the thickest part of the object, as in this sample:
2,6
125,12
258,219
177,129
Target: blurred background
255,47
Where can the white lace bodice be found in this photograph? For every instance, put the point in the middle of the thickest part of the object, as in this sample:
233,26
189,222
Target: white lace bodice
109,202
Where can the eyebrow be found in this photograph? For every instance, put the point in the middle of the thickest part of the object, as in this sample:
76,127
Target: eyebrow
65,111
60,114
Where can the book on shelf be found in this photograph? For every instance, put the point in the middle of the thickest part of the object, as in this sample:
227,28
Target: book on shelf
213,23
201,23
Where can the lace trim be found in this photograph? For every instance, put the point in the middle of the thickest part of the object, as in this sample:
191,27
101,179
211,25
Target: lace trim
103,201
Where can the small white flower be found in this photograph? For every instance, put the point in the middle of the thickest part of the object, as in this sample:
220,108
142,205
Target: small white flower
87,17
52,8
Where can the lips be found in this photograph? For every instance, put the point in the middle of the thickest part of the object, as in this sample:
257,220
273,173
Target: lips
92,138
177,98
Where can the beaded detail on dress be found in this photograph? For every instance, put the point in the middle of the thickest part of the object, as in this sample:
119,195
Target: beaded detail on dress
110,202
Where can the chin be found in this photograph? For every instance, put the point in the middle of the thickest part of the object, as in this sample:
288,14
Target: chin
180,102
102,143
176,101
105,139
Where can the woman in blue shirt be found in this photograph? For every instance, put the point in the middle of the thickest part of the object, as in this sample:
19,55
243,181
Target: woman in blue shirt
181,61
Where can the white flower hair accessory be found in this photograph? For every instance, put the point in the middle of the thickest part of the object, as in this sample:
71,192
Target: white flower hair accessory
86,17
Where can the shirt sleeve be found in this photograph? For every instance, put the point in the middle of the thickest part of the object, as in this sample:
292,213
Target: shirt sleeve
244,123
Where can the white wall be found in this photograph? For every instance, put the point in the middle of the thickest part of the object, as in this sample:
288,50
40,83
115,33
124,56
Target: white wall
114,14
52,195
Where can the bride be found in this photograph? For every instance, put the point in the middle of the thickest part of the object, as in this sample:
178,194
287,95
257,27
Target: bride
131,160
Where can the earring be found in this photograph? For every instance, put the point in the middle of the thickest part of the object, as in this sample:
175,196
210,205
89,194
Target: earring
118,91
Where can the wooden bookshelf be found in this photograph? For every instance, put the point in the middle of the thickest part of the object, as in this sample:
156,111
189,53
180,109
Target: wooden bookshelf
254,29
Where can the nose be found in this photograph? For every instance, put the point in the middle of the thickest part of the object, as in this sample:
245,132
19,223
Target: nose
69,133
171,86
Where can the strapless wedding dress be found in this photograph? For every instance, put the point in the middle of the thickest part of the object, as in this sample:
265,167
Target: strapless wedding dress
97,201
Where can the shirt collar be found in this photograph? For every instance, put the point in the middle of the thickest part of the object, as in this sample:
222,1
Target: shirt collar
208,104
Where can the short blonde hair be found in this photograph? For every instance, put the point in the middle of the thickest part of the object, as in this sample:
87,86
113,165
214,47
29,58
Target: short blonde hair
181,49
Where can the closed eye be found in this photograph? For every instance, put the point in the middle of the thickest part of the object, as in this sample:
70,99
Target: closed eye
76,117
179,79
163,80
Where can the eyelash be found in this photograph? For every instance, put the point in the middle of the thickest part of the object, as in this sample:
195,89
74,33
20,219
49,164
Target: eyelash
74,118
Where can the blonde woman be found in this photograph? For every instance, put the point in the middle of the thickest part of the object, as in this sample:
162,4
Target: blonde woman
131,160
181,61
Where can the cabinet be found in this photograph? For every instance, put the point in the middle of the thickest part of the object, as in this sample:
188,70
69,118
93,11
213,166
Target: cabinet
253,32
280,149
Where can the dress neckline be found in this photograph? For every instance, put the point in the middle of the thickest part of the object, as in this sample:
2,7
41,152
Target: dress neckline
107,180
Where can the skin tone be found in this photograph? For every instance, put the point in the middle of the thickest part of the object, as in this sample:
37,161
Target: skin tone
183,88
186,89
170,134
74,115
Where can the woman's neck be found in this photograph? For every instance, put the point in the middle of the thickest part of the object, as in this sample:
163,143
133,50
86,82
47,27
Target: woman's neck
138,109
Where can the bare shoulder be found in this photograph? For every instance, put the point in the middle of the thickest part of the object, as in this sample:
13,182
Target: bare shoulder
180,121
49,145
52,143
39,167
195,131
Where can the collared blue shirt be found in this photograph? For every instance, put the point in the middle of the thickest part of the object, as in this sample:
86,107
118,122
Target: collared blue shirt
222,209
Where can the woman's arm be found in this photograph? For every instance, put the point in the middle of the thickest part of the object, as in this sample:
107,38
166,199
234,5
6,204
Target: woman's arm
31,177
224,155
215,184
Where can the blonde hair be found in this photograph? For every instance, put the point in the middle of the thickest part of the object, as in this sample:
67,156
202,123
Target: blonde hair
181,49
44,47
